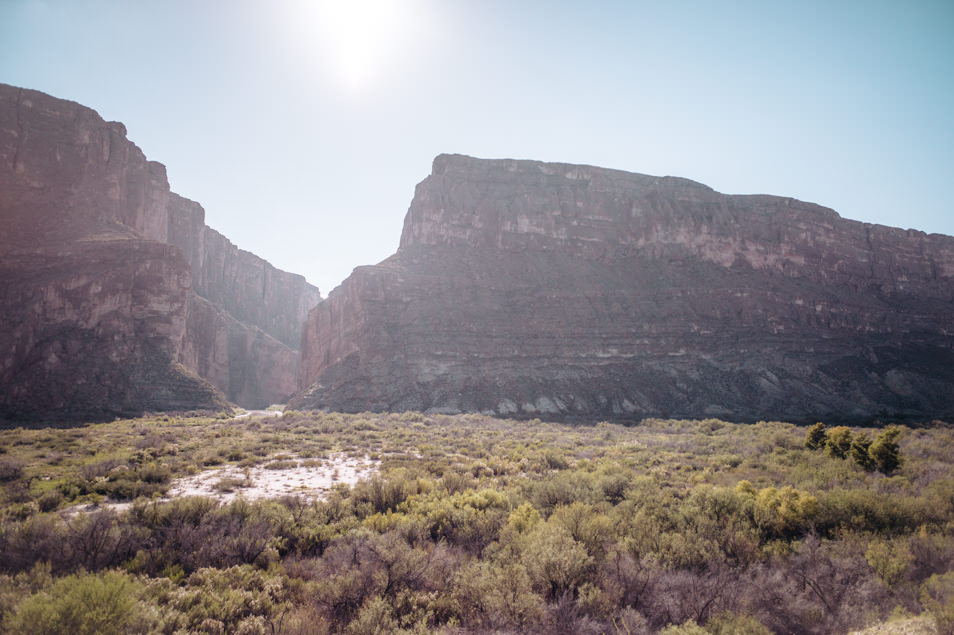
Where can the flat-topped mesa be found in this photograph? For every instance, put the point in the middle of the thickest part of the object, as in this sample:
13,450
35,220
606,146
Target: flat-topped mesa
117,298
530,288
599,213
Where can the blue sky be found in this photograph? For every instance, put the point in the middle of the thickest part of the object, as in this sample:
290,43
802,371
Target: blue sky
302,126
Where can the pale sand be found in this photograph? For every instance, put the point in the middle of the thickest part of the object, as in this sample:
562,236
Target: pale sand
309,482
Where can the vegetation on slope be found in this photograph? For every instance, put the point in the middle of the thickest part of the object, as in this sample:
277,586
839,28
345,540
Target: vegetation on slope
475,525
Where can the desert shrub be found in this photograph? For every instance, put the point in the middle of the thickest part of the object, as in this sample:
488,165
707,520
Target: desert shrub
128,483
97,540
282,464
92,471
379,494
304,619
686,628
238,599
39,538
859,510
729,623
364,565
49,500
859,452
680,595
11,468
885,452
822,588
816,437
83,604
497,596
197,532
889,559
523,518
784,513
586,525
509,527
614,485
937,596
374,618
564,488
556,563
930,554
231,483
838,442
470,520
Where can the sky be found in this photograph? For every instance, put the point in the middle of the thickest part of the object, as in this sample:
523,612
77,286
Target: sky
302,126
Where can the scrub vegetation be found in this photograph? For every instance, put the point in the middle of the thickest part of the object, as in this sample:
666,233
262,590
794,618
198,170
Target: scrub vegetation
479,525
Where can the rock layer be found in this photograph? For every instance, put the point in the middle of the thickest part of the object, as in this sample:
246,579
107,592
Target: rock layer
115,297
531,289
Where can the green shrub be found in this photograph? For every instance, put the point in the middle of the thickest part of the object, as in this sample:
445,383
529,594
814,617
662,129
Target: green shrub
82,604
816,437
557,563
734,624
860,447
889,559
497,595
231,600
885,451
374,618
838,443
686,628
49,500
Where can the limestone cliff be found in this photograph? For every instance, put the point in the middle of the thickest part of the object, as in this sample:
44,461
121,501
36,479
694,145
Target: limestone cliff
115,297
528,288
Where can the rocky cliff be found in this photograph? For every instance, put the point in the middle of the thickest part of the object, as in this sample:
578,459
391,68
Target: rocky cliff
531,289
115,297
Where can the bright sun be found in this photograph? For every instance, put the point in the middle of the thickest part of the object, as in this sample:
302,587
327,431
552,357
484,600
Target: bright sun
361,36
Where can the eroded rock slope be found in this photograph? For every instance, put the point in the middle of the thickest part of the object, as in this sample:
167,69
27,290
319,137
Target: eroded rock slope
531,289
115,297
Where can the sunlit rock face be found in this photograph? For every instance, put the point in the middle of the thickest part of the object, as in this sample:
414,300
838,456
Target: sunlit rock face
535,289
115,297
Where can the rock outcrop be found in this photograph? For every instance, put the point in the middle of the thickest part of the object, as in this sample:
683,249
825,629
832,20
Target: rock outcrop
534,289
115,297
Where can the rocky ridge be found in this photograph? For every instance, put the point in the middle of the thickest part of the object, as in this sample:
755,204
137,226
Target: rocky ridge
116,297
529,289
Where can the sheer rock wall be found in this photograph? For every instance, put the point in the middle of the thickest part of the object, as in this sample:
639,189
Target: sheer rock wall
115,297
535,289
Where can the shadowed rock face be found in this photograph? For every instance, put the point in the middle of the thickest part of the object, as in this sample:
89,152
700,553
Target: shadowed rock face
531,289
115,297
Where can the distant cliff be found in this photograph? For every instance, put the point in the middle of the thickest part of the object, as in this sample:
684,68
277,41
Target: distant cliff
116,297
531,289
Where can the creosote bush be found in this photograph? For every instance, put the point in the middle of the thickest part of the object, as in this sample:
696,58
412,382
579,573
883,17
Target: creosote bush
476,525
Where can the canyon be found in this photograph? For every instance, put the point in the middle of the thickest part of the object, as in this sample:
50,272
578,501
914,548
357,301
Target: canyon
533,289
117,298
519,288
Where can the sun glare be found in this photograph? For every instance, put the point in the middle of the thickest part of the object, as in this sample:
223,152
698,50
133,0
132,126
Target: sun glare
361,36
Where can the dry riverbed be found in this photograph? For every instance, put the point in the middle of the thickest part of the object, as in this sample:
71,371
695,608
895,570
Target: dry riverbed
282,475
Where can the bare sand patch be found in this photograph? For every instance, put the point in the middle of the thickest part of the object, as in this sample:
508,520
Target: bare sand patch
301,477
310,478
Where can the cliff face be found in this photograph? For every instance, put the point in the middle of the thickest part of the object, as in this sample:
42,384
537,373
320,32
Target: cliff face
116,297
528,288
247,287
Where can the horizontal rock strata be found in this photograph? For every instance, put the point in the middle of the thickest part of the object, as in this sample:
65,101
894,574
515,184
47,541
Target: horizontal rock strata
530,289
116,297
